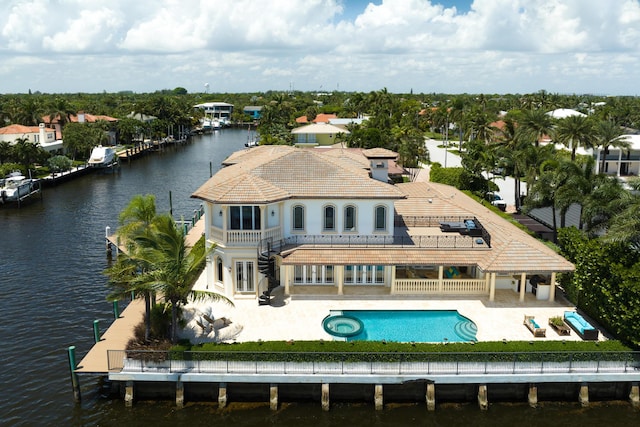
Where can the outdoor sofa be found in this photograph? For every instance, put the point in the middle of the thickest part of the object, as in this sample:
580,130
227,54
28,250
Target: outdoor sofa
536,330
583,328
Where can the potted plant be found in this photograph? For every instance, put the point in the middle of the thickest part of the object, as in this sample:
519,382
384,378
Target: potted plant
558,325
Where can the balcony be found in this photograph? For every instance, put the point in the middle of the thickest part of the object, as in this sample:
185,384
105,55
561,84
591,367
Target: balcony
409,232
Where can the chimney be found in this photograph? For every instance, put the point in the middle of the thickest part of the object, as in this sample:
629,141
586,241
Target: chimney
379,162
80,116
42,133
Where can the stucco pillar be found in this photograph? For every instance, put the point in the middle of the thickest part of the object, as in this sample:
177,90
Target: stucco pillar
523,286
492,287
393,279
552,288
286,279
619,162
263,220
440,279
340,279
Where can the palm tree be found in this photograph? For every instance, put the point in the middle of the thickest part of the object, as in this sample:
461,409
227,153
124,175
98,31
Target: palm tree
625,227
573,132
535,124
61,110
608,134
173,269
606,199
560,184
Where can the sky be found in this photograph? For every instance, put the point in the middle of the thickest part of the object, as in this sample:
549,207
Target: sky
419,46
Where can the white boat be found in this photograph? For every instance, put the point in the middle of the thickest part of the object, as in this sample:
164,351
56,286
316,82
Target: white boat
102,157
16,187
252,140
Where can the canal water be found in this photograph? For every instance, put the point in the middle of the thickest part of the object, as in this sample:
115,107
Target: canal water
52,254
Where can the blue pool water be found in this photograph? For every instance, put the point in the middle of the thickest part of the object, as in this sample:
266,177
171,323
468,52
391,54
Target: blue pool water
413,326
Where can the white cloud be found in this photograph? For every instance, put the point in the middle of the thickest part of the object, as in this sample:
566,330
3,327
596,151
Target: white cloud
248,45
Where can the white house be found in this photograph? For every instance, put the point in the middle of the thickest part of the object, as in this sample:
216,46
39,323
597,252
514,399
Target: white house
620,162
42,135
319,223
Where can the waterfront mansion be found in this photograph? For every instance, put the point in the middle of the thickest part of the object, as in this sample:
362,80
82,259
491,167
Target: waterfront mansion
330,222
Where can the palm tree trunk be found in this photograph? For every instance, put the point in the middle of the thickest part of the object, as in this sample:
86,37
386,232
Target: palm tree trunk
555,225
147,316
174,322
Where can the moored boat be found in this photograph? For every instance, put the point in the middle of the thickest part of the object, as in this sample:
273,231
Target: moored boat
102,157
16,187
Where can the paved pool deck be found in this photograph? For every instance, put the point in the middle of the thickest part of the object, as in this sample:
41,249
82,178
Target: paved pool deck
300,318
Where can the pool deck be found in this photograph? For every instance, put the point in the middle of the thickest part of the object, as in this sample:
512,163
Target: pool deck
300,317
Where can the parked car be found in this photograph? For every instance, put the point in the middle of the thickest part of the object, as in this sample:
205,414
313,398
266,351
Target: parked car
496,200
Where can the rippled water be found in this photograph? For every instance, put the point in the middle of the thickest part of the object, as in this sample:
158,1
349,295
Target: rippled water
52,254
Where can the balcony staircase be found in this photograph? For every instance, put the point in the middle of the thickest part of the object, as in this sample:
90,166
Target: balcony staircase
267,266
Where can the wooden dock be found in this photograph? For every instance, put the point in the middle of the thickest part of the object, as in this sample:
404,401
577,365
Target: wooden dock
121,330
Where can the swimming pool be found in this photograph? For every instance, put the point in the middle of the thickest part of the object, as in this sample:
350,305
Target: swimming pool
406,325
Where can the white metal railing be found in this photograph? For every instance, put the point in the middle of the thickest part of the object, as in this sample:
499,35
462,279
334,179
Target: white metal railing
493,364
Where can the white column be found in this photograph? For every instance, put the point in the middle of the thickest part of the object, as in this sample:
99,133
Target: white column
492,288
440,279
523,286
340,278
552,288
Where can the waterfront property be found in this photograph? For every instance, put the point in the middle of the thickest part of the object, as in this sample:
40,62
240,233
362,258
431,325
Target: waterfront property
325,223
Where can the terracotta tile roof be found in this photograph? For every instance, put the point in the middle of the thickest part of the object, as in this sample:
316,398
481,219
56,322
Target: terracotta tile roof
379,153
89,118
271,173
21,129
512,250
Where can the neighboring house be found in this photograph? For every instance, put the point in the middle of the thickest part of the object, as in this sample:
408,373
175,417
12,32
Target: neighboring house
320,118
216,110
319,223
620,162
254,111
317,134
81,117
41,134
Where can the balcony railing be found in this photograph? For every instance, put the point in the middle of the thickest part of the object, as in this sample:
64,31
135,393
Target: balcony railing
433,287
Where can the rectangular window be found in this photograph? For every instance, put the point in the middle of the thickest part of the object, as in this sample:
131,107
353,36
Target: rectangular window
328,274
381,218
348,274
350,218
379,273
244,217
297,273
244,276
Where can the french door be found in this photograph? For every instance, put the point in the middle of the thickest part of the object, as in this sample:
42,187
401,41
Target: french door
245,276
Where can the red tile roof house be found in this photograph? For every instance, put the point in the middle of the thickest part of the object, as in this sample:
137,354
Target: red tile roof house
318,222
36,134
81,117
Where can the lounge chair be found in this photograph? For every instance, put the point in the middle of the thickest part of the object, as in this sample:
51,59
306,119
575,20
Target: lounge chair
583,328
536,330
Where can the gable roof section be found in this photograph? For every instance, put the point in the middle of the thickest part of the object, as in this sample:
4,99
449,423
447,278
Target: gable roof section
264,174
319,128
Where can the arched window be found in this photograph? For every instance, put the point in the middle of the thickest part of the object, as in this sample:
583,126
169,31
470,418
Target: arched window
329,222
298,218
381,218
350,218
219,270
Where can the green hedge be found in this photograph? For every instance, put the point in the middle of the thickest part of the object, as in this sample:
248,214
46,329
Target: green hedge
375,351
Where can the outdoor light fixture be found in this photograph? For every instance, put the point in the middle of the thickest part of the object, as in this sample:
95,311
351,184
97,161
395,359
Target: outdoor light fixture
220,213
273,213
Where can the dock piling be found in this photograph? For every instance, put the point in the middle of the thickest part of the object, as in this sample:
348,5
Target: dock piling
583,396
222,395
128,394
75,383
483,400
325,397
96,331
431,397
116,310
634,395
273,397
533,395
179,394
378,397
